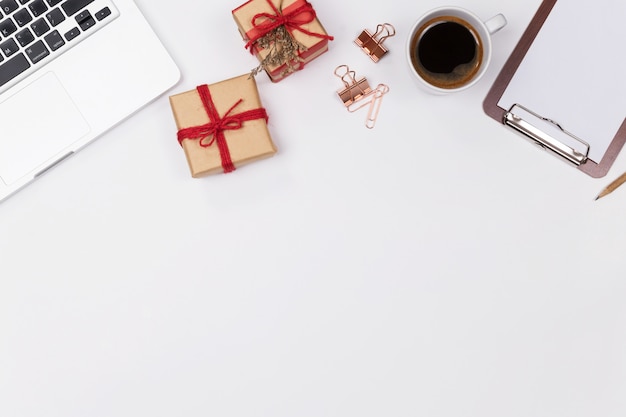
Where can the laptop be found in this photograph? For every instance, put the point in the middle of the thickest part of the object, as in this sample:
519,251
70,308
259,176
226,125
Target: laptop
69,71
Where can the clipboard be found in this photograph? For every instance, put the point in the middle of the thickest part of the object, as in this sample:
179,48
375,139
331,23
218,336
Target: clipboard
564,85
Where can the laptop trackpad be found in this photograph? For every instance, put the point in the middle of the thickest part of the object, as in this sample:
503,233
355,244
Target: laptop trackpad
37,124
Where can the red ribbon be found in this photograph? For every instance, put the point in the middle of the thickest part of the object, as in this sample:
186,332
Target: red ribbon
293,20
217,125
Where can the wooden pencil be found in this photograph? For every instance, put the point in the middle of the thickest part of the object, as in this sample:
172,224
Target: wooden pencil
612,186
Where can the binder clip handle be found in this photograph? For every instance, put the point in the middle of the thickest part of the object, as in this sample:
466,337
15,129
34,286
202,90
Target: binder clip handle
387,28
348,76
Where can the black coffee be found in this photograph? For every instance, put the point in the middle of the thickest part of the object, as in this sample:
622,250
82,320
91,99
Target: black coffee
446,52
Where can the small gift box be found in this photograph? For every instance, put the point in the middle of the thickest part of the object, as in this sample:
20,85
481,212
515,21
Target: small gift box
284,35
222,126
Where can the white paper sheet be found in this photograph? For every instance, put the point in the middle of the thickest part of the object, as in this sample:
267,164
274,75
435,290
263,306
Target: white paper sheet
575,71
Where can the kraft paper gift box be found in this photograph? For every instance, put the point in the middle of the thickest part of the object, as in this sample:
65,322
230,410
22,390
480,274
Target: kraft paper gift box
222,126
285,35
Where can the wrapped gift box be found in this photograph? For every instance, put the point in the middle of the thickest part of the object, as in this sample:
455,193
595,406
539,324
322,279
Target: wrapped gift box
222,126
258,21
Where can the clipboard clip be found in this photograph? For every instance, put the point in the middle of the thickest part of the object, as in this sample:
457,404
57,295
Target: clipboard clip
372,44
514,119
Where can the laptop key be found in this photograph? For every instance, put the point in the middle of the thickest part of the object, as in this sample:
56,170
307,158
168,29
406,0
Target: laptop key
37,51
84,20
103,13
7,27
8,6
55,16
38,7
40,27
22,17
54,40
24,37
52,3
71,7
12,68
71,34
9,47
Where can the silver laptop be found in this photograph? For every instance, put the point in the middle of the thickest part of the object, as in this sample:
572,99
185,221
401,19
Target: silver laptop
70,70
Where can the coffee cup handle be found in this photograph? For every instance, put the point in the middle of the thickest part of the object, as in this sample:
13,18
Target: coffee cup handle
495,23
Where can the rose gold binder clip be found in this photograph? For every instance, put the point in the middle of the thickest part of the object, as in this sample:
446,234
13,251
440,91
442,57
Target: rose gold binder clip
372,44
357,94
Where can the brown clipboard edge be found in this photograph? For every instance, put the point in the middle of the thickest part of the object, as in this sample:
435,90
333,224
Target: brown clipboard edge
490,104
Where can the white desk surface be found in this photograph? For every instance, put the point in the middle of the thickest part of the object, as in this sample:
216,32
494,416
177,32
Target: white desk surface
438,265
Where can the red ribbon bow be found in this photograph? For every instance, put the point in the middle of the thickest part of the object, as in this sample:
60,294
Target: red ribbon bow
293,20
217,125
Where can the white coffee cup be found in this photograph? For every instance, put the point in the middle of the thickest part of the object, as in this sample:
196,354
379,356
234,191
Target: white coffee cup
437,66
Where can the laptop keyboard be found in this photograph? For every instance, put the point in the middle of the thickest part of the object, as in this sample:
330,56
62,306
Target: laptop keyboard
34,32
